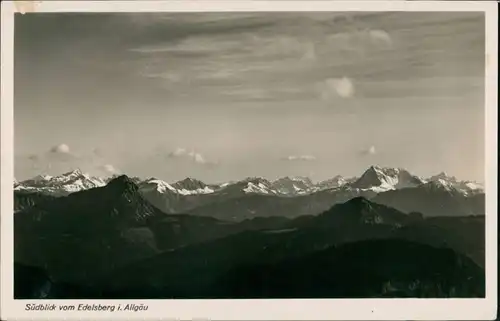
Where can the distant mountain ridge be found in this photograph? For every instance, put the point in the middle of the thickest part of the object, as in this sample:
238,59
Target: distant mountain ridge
64,184
375,178
440,195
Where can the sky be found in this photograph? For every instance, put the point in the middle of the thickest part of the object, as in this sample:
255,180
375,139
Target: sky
224,96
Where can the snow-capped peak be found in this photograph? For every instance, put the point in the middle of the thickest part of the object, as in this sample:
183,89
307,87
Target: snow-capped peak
189,184
302,179
204,190
183,187
451,182
474,186
380,179
334,182
440,184
42,178
256,180
63,184
444,183
160,185
77,175
292,185
443,176
76,171
260,188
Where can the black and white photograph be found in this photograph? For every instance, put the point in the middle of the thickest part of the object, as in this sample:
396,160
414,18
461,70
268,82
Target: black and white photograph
249,155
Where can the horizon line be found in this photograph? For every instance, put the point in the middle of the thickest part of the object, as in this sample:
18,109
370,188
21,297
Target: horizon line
146,178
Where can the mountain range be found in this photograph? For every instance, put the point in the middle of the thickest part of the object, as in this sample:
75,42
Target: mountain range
385,234
439,195
375,178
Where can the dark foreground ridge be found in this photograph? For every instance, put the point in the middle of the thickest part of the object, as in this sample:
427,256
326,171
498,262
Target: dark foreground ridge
88,233
367,269
396,268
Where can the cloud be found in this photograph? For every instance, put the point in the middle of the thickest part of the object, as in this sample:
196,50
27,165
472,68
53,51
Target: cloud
293,56
380,37
60,149
190,155
300,158
343,87
108,168
369,151
333,88
360,40
61,158
54,160
58,154
199,159
179,152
